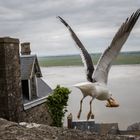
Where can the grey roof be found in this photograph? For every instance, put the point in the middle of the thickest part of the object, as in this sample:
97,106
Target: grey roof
29,66
43,88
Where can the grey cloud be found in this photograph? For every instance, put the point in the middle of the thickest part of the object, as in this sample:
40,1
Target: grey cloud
95,22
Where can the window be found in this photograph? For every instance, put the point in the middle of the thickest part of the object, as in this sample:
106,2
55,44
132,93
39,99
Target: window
25,89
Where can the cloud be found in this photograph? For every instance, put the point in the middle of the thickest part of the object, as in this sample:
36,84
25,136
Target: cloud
95,22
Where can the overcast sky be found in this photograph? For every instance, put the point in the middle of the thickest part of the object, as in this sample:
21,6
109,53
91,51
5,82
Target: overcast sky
94,21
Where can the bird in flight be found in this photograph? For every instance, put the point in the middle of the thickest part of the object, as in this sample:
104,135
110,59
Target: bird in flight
96,85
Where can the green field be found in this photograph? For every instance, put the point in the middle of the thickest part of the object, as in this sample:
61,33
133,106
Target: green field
75,60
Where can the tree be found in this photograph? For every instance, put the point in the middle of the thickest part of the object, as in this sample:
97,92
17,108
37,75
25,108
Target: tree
57,105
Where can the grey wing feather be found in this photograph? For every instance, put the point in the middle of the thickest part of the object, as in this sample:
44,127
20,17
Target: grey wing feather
86,58
101,72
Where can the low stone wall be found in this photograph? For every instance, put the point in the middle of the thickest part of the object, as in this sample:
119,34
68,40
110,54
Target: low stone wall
15,131
38,114
130,132
100,128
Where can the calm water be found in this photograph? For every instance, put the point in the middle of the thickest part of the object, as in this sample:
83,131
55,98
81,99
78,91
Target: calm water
124,83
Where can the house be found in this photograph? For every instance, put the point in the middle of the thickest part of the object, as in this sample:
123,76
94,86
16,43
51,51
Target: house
23,92
34,89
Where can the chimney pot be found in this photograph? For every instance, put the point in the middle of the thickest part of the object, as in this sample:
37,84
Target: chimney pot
25,48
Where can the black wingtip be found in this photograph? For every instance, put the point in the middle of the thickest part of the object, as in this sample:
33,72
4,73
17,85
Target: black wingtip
58,17
63,21
138,10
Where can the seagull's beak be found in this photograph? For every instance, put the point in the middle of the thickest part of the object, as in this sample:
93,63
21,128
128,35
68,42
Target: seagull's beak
112,103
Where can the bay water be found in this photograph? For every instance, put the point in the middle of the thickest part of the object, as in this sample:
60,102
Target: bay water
123,82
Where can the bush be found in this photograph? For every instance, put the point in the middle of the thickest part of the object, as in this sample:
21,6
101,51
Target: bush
57,105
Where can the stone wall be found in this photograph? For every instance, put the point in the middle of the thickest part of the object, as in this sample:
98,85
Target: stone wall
37,114
24,131
128,132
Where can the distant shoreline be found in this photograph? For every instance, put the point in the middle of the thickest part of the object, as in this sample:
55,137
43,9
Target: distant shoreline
114,65
75,60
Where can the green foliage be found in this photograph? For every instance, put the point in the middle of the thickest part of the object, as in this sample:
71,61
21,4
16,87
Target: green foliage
57,105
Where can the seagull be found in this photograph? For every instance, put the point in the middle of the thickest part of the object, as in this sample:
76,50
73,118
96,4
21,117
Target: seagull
96,85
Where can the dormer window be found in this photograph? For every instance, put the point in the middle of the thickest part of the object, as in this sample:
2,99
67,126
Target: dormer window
30,71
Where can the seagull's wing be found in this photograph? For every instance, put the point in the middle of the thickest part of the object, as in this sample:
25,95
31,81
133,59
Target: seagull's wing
86,58
101,72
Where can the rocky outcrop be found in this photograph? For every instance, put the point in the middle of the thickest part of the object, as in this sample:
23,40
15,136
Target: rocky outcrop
32,131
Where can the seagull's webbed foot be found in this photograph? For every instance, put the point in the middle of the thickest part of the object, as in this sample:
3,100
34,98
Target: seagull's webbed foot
89,115
92,116
79,114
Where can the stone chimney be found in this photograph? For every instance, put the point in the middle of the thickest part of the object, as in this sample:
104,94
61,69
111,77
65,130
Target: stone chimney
11,106
25,48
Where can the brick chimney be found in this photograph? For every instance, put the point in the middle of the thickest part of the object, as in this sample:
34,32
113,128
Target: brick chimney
10,80
25,48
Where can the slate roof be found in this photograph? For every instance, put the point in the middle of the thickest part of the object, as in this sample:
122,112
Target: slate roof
43,88
29,66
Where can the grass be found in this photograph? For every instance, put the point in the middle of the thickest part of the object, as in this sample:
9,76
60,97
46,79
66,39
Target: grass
75,60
